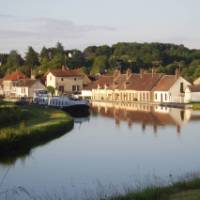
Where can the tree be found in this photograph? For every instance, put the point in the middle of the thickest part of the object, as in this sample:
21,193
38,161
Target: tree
59,48
31,58
100,65
14,61
51,90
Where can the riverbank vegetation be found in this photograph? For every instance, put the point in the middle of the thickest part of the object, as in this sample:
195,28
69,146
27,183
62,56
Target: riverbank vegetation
38,127
183,190
104,59
196,106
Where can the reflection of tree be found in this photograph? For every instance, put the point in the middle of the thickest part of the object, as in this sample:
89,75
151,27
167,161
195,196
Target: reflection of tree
9,157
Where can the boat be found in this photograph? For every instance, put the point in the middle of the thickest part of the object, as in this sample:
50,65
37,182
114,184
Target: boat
75,107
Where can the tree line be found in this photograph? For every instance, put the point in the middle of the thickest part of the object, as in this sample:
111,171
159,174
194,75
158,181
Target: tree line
104,59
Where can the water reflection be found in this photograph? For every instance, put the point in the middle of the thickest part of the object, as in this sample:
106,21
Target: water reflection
145,114
10,158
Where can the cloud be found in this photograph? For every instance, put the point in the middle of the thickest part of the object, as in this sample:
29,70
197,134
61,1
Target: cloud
22,32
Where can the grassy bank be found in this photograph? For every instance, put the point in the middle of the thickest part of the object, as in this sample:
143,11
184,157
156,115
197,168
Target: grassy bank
196,106
40,126
183,190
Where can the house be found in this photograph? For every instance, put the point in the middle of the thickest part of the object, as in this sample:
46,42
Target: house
197,81
1,87
65,80
142,87
170,88
27,87
192,93
9,82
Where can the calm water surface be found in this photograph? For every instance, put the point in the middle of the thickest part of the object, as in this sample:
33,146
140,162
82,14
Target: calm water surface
118,146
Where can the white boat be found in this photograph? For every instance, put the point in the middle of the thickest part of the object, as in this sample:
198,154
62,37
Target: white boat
75,107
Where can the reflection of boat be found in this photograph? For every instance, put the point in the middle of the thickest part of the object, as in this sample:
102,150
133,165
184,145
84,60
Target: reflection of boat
75,107
80,120
144,114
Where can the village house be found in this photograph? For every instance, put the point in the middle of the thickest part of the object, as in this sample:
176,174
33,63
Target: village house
142,87
27,87
65,80
170,88
17,85
9,82
1,87
192,93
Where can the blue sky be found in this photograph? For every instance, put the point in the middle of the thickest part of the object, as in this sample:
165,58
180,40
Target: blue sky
79,23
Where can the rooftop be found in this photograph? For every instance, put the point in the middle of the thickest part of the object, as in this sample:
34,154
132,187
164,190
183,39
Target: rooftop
26,82
14,76
65,72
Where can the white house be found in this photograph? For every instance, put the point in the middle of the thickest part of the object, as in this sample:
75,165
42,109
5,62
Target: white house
65,80
27,87
192,93
170,89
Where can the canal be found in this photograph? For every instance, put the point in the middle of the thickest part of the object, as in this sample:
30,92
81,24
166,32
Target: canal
116,148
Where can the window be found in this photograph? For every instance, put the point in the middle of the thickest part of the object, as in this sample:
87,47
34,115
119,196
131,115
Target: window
23,90
181,88
61,88
62,79
78,87
165,97
75,79
73,88
156,96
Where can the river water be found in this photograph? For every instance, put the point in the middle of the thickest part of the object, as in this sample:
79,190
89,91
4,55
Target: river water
119,146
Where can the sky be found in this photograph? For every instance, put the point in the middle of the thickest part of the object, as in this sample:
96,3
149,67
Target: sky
81,23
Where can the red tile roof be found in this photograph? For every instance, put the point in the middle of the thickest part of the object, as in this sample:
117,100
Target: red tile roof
26,82
102,81
65,72
165,83
14,76
138,82
144,82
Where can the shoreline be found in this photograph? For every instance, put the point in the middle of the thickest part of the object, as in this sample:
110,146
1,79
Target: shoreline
34,131
181,190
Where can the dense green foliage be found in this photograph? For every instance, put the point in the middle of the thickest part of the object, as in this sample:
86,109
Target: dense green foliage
33,130
11,115
94,60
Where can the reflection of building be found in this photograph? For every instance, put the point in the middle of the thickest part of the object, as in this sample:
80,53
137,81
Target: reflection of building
143,113
143,87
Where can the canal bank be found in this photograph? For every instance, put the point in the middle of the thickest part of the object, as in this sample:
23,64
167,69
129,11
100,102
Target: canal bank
182,190
34,127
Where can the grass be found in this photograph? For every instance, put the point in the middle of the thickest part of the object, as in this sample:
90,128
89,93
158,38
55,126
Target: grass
40,126
183,190
188,195
196,106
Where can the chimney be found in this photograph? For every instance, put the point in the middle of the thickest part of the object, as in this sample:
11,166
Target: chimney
128,73
177,73
141,73
153,71
63,68
116,73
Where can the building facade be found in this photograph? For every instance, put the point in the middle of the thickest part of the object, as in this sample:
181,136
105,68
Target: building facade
142,87
17,85
65,80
